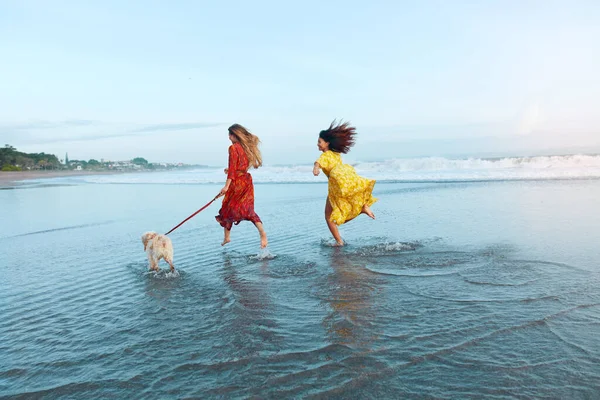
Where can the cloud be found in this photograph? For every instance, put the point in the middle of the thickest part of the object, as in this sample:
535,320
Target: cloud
41,132
35,125
177,127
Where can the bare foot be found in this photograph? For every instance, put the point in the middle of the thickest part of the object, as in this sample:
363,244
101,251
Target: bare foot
367,210
338,244
263,241
225,241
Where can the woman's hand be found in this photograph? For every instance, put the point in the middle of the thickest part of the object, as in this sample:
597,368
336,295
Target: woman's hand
316,170
223,191
226,171
225,188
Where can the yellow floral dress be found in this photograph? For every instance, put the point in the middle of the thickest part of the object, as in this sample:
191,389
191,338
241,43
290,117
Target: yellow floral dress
348,192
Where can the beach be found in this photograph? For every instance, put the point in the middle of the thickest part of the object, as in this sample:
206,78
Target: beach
457,144
9,178
464,288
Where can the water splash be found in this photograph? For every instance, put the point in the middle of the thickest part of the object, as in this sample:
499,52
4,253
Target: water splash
264,254
330,243
387,247
164,274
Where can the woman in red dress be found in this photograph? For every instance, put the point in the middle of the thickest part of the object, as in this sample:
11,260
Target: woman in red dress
238,204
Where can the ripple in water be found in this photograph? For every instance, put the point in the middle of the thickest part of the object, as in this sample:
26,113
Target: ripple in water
382,318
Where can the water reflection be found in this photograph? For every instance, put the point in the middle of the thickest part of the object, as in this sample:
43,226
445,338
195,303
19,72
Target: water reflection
350,288
250,326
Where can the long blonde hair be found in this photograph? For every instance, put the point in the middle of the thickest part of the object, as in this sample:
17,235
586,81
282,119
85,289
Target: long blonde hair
249,143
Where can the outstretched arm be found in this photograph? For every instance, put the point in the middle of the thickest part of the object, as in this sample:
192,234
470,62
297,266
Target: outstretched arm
316,169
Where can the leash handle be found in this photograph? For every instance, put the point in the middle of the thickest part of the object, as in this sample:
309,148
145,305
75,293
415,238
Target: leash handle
194,214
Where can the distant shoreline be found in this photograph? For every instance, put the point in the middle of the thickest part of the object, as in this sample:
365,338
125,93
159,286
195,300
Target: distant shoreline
7,178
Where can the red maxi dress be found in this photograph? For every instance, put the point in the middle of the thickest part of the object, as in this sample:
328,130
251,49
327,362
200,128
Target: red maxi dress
238,204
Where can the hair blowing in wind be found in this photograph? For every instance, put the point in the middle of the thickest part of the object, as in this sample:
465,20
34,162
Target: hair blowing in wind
340,136
249,143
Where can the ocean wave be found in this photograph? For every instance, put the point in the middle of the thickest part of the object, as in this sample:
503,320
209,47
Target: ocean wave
427,169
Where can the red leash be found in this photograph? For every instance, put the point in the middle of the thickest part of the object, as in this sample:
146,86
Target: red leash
194,214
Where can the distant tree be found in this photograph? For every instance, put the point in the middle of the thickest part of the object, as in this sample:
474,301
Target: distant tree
140,161
23,161
7,154
75,163
93,164
8,168
10,156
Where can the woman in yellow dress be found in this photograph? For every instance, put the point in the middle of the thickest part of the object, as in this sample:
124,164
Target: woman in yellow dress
349,194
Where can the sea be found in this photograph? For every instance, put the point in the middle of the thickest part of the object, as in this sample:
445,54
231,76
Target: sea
479,278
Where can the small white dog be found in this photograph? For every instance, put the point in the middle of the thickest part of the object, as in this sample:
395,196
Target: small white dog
157,247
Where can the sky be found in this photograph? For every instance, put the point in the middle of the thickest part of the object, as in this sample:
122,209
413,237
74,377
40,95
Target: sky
163,80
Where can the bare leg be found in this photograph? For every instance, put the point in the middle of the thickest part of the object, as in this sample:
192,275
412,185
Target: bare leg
226,237
263,235
332,226
367,210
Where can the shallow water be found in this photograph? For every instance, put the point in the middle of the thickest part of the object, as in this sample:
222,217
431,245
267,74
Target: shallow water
457,290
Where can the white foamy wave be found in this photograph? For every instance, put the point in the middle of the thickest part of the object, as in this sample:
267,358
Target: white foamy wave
429,169
509,168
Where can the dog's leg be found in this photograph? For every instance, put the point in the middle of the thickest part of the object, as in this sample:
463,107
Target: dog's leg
170,264
150,261
158,258
155,265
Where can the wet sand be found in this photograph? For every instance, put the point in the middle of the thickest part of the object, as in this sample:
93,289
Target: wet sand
8,178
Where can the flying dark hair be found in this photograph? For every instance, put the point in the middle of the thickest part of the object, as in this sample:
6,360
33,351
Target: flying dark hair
340,136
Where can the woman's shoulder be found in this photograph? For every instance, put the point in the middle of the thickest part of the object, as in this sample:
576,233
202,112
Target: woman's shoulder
333,154
329,155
